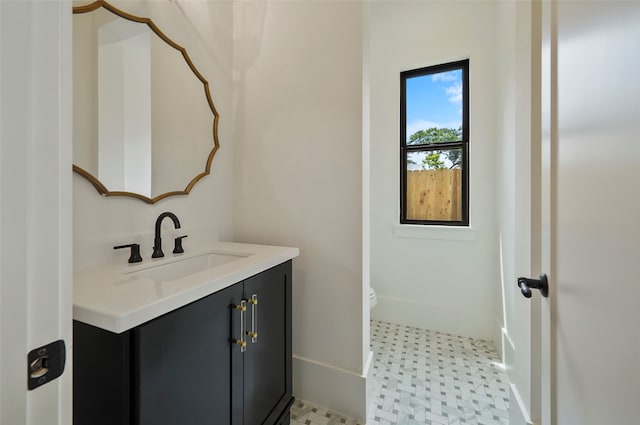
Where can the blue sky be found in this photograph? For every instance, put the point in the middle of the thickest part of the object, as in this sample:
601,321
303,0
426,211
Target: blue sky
434,101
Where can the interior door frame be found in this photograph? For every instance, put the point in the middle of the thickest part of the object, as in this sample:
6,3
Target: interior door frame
548,144
35,205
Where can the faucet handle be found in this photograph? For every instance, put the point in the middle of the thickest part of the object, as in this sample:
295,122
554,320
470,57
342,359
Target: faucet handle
177,249
135,252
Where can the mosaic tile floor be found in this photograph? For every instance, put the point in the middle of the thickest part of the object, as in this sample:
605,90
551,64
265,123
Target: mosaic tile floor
305,413
426,377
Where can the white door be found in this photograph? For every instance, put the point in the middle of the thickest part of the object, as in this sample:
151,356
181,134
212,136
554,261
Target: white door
35,206
591,212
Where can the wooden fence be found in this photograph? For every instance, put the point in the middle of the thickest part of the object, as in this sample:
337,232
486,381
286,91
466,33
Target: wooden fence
434,195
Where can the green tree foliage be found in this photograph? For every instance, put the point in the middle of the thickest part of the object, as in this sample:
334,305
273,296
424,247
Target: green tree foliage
435,135
438,135
433,162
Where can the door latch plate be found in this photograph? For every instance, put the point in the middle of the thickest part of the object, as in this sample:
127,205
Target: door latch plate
46,363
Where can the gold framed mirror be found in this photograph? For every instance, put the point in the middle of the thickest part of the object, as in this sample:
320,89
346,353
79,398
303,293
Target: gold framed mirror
145,125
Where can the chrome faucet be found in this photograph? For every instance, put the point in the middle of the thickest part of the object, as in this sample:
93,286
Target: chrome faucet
157,241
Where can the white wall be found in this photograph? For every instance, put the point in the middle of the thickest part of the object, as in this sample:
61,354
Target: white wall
505,117
442,279
297,180
204,29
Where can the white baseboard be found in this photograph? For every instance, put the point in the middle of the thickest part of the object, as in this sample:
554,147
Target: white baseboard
497,339
340,390
457,321
371,383
508,354
518,414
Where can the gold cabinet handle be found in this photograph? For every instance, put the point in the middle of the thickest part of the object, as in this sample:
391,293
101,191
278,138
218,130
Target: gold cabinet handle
253,333
242,342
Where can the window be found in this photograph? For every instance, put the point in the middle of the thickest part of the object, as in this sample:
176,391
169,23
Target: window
434,145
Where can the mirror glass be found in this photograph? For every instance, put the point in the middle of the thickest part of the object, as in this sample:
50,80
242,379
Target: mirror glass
144,122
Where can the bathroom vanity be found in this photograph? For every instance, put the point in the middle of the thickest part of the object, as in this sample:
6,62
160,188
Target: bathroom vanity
200,338
197,337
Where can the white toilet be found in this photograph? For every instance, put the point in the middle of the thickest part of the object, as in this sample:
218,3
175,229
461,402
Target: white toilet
373,300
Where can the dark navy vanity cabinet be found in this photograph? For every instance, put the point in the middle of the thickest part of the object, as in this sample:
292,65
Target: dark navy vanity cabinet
224,359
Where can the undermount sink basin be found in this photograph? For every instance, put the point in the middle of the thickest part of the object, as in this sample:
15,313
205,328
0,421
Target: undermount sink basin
187,266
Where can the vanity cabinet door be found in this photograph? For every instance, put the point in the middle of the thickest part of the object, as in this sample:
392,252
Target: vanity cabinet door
182,363
101,376
267,361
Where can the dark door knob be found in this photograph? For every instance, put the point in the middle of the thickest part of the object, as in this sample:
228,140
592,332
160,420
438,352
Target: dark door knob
526,285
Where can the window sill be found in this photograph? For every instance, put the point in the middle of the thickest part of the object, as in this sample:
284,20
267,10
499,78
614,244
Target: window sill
450,233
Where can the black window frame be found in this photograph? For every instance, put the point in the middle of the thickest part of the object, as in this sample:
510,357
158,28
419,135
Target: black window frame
463,144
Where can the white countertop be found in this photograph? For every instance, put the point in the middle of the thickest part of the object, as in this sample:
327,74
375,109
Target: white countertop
111,298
